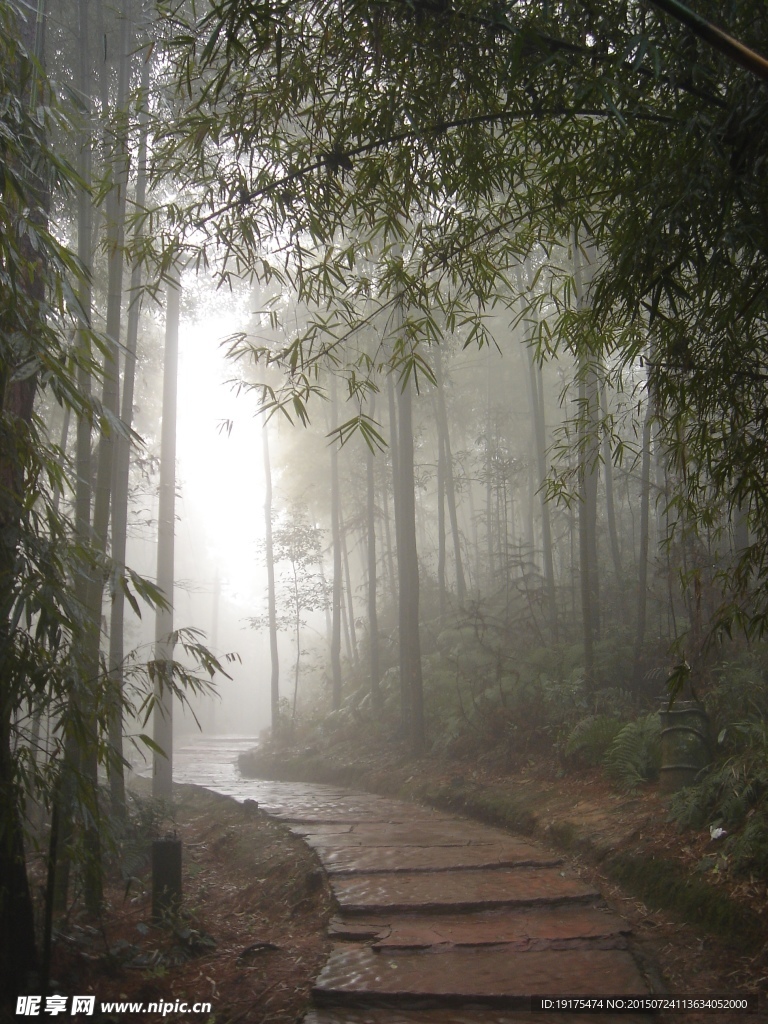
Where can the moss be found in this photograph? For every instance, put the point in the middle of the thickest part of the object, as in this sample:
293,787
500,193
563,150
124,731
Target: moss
491,805
665,885
499,807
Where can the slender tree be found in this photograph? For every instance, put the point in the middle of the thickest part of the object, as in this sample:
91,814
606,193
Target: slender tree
83,459
448,478
642,561
274,684
588,479
441,584
536,393
122,464
36,556
610,505
162,767
350,607
373,617
336,596
408,574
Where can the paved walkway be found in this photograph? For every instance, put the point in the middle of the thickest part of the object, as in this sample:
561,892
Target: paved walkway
440,919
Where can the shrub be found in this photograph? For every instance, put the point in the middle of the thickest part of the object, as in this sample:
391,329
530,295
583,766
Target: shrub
634,756
589,740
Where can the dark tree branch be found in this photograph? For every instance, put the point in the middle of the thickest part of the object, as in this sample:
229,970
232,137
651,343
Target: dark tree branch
720,40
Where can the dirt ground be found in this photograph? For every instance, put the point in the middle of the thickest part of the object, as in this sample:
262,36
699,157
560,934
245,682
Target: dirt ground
251,937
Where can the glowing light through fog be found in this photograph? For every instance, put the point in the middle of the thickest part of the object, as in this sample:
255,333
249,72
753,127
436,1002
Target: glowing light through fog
219,472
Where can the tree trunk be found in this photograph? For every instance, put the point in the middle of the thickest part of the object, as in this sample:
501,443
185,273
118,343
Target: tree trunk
540,437
274,686
389,551
587,607
121,478
588,478
348,587
408,576
297,627
336,542
609,500
345,623
397,487
63,443
450,487
116,161
642,569
162,766
489,476
83,458
740,531
441,524
18,949
391,548
591,480
373,619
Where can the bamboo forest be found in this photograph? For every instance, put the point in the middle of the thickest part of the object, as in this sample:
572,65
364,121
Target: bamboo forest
384,401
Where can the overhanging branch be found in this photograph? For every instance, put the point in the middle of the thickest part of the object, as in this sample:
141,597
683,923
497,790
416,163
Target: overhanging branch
737,51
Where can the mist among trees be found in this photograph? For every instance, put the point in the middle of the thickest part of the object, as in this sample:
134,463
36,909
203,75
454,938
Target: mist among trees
490,281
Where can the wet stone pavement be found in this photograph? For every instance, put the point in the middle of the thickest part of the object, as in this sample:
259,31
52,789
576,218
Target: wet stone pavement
440,920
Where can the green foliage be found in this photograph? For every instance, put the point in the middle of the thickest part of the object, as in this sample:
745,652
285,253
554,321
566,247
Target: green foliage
747,851
739,692
46,674
634,756
734,788
590,738
398,167
37,298
733,793
297,546
727,794
486,690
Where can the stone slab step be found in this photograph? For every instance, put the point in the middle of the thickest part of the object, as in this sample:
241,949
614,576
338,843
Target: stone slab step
487,976
354,859
540,928
453,890
417,831
299,802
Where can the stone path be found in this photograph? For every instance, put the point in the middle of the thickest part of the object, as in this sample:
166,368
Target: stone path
440,919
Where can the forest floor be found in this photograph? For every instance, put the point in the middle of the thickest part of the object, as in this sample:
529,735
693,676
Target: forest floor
251,938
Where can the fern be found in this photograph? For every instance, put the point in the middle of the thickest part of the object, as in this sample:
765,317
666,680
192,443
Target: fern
728,793
730,790
590,738
748,850
634,756
696,806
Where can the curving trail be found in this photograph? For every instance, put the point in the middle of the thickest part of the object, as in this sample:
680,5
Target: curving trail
440,920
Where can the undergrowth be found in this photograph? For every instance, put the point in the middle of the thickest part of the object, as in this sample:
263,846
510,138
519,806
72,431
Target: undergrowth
589,740
733,793
634,756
